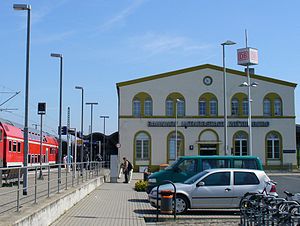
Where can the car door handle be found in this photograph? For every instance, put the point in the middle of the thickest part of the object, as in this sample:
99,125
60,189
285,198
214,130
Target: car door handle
227,189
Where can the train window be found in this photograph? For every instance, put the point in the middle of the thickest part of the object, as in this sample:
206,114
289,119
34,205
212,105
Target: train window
32,158
14,146
9,145
19,147
0,135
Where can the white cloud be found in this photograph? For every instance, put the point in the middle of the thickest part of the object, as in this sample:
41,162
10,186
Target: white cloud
121,16
164,43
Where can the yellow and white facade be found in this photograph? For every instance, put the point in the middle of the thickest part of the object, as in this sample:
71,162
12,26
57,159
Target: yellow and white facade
191,102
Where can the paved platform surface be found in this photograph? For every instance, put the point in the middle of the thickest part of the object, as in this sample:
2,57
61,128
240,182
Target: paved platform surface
119,204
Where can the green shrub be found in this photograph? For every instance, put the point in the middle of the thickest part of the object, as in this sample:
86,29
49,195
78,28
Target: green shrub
140,185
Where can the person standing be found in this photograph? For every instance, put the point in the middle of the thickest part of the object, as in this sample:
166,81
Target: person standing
125,169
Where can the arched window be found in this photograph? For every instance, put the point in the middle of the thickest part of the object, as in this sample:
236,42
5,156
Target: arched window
148,107
234,107
136,107
213,105
172,145
272,105
208,105
273,146
240,143
277,107
142,105
175,101
142,146
267,107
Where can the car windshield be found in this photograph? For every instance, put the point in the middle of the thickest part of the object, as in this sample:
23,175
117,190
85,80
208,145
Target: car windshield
173,165
194,178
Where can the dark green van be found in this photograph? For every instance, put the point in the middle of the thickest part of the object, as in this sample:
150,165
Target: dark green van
187,166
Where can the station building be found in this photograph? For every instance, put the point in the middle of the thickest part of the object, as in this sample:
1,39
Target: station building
191,102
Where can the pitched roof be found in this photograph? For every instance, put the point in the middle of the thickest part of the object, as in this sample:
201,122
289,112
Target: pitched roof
203,66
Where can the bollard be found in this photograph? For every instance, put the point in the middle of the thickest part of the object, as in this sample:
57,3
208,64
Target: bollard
166,201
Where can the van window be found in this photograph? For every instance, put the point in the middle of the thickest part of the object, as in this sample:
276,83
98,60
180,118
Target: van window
245,163
215,163
188,165
245,178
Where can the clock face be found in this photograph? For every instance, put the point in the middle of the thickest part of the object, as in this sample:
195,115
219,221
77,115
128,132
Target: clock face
207,80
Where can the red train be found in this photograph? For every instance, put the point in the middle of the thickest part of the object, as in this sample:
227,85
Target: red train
12,146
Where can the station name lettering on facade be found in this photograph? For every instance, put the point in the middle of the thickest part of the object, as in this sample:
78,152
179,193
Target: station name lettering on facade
207,124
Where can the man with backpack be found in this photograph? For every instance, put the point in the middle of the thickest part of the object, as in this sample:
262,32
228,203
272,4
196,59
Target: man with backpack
127,170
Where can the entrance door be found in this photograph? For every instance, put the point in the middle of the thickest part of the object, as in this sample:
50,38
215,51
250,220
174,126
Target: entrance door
208,149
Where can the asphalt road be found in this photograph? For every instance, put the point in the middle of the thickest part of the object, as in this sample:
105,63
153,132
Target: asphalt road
289,182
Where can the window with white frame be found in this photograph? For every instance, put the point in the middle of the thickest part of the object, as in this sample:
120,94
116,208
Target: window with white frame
277,107
234,107
202,107
169,107
180,108
240,144
142,146
245,106
273,146
136,108
213,107
148,107
173,146
267,107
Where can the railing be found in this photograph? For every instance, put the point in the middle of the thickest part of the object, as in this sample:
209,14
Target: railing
44,182
261,209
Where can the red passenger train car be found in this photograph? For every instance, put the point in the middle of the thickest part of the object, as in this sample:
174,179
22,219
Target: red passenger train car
12,146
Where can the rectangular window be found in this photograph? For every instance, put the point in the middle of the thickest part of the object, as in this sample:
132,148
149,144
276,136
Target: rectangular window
138,149
14,149
180,108
276,149
145,149
269,149
234,108
136,108
202,108
172,149
267,108
19,147
0,135
213,108
169,108
148,108
245,107
9,145
277,108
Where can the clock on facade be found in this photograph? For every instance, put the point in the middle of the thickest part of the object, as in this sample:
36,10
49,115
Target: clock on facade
207,80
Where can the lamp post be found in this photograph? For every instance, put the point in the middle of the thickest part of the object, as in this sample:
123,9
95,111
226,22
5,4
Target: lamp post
176,136
26,144
92,104
41,111
81,134
60,56
227,43
249,85
104,140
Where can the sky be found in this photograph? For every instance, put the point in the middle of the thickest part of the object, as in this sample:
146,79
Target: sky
104,42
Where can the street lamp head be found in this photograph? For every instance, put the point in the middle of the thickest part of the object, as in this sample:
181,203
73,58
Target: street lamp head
78,87
56,55
104,116
21,7
178,100
228,43
254,84
91,103
244,84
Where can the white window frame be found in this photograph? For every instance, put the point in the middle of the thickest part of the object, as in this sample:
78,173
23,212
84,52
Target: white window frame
145,146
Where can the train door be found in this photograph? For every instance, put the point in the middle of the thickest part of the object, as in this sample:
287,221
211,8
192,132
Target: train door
47,155
1,148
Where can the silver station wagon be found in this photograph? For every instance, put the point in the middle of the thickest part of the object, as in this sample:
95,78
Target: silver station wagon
216,189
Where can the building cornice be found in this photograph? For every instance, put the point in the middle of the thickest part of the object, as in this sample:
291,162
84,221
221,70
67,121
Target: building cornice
204,66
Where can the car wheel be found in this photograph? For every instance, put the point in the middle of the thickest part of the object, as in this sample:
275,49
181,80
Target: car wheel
182,204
